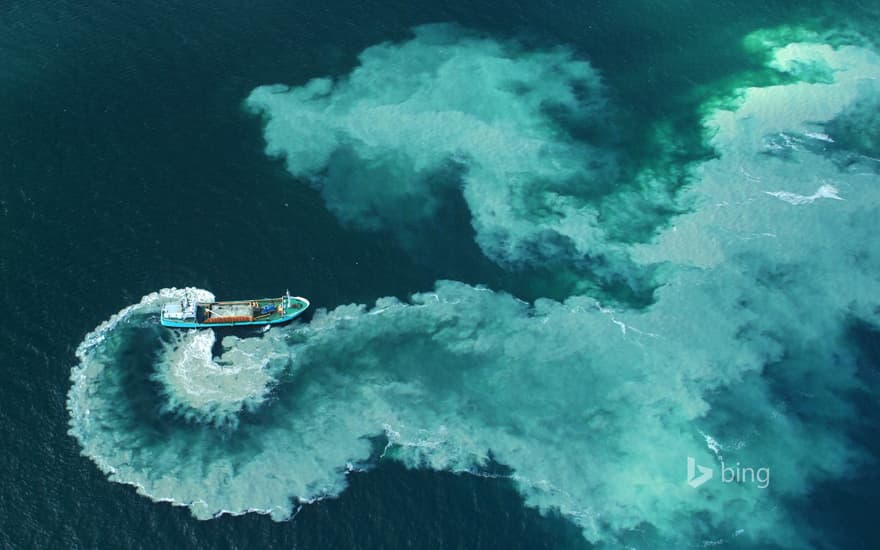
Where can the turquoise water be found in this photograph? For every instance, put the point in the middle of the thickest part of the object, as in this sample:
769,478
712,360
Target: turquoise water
554,252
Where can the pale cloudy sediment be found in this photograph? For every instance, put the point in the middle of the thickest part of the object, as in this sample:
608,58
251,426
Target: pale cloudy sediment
742,353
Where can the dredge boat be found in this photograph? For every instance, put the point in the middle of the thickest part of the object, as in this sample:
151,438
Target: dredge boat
188,313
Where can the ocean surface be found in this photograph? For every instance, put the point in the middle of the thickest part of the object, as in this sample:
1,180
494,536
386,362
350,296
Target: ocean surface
583,274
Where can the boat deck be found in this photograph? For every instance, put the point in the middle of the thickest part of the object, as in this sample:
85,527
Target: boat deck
242,309
261,311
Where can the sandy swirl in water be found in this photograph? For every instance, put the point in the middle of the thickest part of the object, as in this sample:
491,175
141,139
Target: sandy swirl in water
596,409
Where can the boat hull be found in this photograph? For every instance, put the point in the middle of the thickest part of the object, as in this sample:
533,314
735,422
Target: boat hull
264,311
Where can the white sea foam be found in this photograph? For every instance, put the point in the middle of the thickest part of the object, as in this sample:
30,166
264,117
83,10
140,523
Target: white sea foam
824,192
204,388
821,136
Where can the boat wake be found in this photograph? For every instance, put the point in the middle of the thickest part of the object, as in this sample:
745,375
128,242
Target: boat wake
596,409
203,388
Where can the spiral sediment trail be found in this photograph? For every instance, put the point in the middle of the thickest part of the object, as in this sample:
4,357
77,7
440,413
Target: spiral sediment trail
594,407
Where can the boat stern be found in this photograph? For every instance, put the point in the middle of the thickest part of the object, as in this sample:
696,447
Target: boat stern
178,314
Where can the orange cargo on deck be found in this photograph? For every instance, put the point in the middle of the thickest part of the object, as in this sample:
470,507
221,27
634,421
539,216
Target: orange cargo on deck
235,319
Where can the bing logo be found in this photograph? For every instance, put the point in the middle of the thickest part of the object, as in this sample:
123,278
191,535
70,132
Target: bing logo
729,474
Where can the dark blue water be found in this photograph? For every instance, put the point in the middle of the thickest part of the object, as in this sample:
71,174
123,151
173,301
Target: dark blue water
125,157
